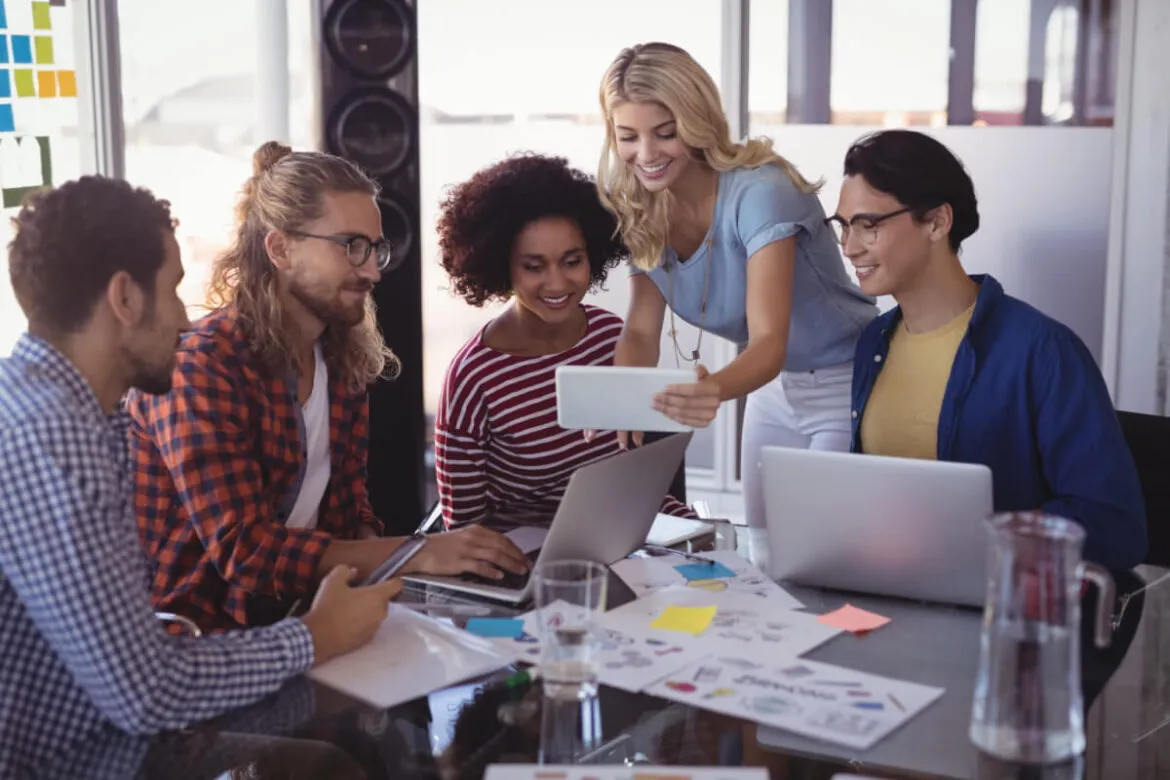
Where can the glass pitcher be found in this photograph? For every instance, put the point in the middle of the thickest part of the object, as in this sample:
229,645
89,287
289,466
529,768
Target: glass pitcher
1027,706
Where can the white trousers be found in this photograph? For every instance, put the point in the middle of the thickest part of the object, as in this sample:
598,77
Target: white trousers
806,409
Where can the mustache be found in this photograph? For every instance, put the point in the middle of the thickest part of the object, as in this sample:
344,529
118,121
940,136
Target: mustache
363,287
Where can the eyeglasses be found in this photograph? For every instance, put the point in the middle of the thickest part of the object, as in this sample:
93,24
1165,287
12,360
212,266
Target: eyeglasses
866,225
359,248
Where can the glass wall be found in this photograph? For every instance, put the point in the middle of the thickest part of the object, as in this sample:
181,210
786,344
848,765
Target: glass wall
191,105
38,121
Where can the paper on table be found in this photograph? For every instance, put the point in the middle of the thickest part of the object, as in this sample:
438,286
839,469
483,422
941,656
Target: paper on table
646,575
527,537
410,656
669,530
741,626
642,772
685,620
806,697
629,659
850,618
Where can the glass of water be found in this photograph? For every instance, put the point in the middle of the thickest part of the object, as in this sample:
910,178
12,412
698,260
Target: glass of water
570,597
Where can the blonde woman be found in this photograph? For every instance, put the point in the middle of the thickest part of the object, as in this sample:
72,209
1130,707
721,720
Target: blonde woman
731,238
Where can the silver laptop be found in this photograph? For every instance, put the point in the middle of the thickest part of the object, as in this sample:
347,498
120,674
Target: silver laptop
605,514
888,526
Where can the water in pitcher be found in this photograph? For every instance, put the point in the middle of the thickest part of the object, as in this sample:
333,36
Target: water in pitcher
1027,709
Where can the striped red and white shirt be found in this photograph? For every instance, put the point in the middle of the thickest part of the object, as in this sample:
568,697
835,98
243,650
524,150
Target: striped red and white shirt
498,448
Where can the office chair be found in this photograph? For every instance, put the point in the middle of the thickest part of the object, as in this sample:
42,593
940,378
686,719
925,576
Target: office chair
678,489
1148,437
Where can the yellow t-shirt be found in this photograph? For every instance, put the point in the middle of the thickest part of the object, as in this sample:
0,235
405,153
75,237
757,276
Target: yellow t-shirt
901,416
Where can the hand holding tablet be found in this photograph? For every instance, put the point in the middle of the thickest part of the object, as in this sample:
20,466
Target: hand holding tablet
622,398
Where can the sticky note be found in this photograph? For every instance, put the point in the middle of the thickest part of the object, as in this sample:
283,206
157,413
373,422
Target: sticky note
7,122
67,83
24,83
3,17
685,620
5,84
3,49
704,571
44,47
850,618
22,50
41,18
509,628
46,83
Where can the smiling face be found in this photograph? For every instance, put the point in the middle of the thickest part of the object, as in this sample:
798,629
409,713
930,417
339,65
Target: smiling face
890,254
321,276
648,142
549,268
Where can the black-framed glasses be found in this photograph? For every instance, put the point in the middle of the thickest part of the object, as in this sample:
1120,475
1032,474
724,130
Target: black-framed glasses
359,248
865,225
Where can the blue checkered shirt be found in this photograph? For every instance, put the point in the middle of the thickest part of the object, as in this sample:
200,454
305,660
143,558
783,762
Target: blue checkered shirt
79,643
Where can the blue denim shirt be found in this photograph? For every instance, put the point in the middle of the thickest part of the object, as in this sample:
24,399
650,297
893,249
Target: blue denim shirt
1026,399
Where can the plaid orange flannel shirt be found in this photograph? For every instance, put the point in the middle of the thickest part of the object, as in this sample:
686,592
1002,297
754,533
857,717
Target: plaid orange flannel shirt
219,463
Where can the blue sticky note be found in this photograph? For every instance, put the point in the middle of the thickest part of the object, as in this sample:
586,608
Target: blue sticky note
22,50
3,17
704,571
7,121
508,628
5,83
4,49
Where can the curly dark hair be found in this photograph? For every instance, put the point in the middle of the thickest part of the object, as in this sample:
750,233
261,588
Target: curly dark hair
480,219
71,240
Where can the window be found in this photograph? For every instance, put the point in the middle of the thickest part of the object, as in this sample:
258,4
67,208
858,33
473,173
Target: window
192,105
38,122
529,86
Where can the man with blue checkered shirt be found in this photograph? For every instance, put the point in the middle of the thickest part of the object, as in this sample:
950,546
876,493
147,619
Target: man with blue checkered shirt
95,266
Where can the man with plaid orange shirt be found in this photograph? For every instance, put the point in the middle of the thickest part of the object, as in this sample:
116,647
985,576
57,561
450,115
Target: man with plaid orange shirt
250,479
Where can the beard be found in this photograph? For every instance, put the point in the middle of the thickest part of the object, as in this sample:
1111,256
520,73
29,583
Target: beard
331,310
152,378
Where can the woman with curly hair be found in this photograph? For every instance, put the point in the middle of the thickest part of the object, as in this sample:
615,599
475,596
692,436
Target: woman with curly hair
529,230
729,237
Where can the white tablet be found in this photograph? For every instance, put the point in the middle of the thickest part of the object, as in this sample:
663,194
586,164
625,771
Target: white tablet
616,398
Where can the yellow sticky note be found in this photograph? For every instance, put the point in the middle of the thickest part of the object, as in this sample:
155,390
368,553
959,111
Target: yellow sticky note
47,83
42,20
25,86
43,45
686,620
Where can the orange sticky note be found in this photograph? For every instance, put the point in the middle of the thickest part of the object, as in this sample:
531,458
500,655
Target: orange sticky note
67,80
850,618
47,83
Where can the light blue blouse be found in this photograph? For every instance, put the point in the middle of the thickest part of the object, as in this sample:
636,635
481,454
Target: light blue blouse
756,207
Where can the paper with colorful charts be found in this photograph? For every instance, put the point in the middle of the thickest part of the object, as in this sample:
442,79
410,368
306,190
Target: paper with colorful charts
748,627
647,575
629,660
567,772
817,700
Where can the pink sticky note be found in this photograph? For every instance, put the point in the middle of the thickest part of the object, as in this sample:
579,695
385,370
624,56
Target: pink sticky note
850,618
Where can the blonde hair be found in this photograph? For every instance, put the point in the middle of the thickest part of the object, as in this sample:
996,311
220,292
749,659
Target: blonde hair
284,192
665,74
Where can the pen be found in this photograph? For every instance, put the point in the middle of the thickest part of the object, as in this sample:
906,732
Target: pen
671,551
450,610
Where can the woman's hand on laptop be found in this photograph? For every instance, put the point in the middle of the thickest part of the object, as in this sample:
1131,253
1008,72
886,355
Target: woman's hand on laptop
623,437
694,403
473,549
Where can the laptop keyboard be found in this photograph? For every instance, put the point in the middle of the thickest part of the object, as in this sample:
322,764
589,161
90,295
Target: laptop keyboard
509,581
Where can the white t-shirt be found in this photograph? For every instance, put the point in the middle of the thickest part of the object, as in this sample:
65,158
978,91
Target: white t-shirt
317,469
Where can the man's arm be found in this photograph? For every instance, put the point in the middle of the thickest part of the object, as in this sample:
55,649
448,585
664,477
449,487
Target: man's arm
200,429
1083,454
70,549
